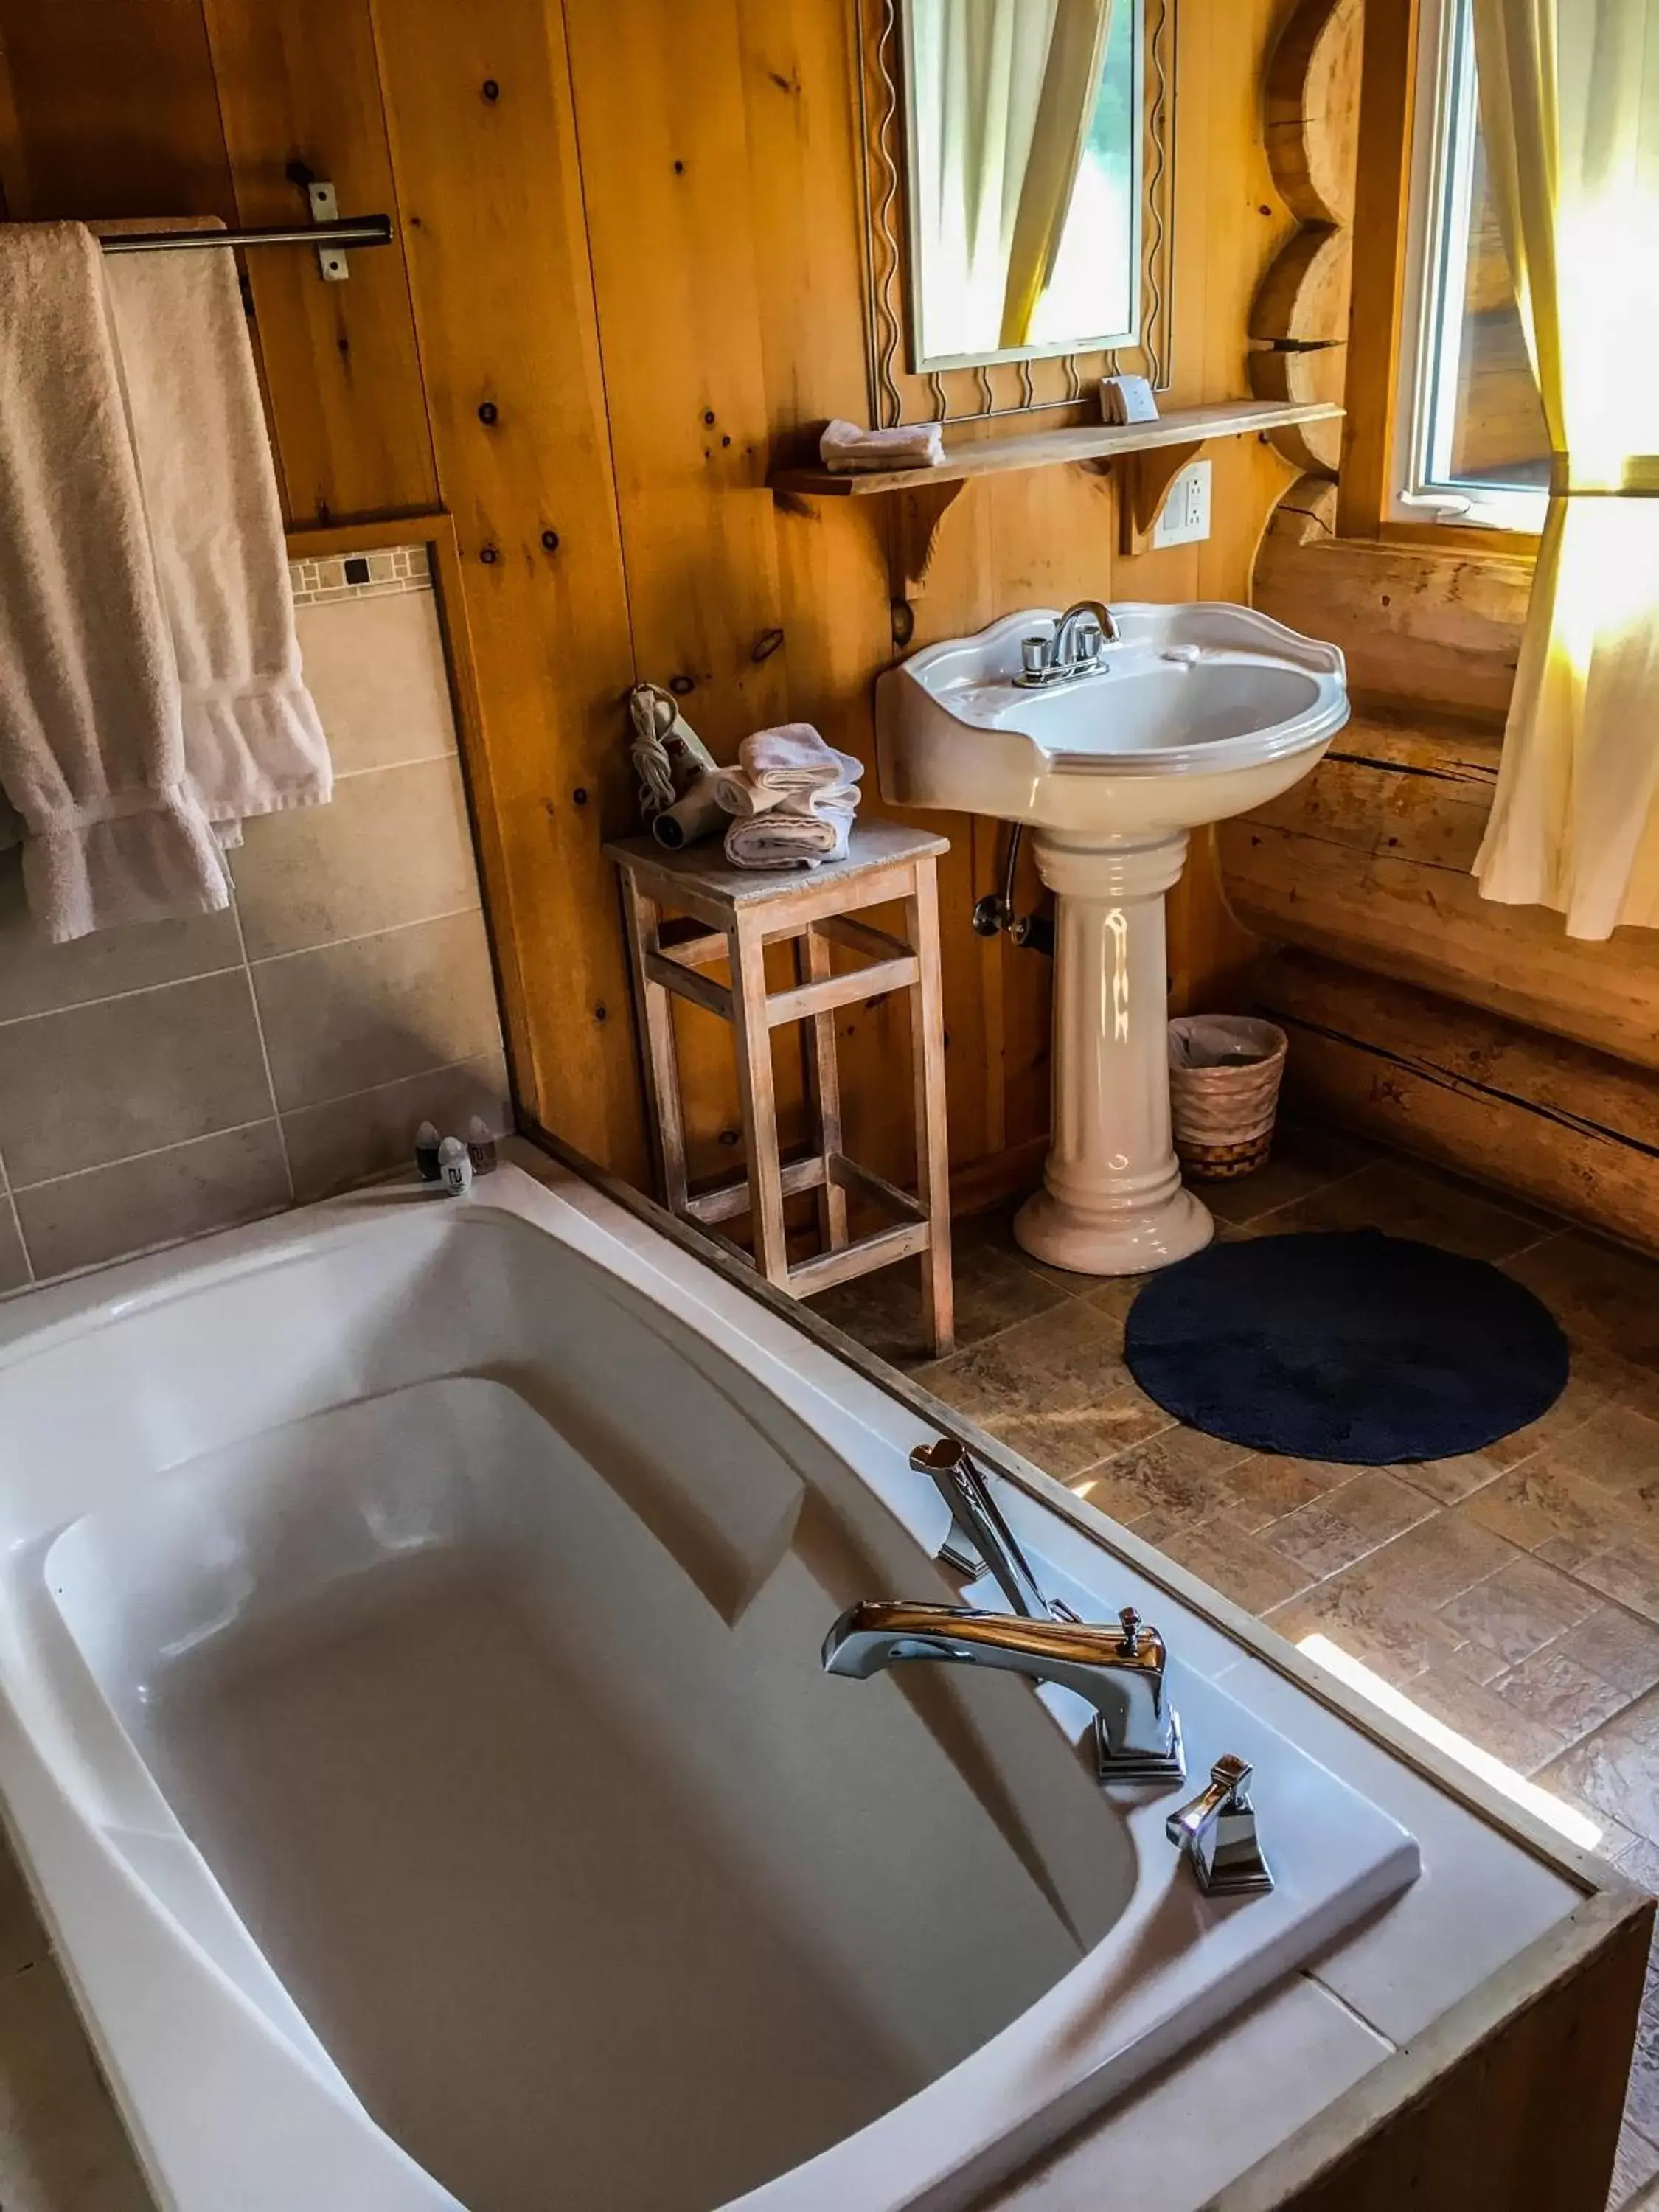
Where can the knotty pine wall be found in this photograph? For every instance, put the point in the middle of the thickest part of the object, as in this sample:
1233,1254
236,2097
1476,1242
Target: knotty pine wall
627,269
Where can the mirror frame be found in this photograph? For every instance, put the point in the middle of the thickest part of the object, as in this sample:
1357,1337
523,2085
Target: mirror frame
902,386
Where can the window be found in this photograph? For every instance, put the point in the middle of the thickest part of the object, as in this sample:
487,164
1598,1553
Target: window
1470,444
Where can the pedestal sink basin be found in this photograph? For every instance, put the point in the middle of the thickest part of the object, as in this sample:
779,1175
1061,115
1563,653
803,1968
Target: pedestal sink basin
1194,713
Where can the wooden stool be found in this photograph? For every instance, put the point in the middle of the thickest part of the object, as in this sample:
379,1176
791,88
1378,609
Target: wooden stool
746,911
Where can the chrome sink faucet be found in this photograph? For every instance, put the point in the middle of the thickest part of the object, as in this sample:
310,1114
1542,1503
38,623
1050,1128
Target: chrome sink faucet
1119,1671
1074,649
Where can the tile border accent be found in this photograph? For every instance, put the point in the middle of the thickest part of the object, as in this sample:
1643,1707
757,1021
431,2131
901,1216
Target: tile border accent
393,568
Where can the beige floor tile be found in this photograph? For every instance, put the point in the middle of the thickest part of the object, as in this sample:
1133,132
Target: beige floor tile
1619,1648
1452,1695
1439,1559
1449,1481
1635,2169
1598,1291
1627,1571
1615,1771
1415,1202
1239,1566
1642,2097
1262,1489
883,1311
1639,1861
61,2146
1054,1388
1382,1628
1305,1158
1176,1476
1557,1690
1542,1503
1507,1616
1335,1530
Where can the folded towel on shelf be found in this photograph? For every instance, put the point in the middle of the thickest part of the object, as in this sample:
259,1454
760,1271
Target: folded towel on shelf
790,766
149,686
845,448
792,797
780,840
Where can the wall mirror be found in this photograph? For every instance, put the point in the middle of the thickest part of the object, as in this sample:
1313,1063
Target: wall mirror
1017,165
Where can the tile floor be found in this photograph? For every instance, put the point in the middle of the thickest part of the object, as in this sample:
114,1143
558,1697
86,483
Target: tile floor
1513,1594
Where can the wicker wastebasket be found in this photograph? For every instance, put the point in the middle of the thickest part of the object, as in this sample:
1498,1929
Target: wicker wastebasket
1224,1071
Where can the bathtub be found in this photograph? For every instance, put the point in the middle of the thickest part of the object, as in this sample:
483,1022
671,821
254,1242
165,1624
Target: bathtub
412,1726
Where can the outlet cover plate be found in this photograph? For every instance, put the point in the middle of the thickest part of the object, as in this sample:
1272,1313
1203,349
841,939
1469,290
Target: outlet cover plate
1184,517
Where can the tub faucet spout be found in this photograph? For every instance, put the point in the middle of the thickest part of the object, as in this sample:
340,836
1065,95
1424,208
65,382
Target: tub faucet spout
1119,1671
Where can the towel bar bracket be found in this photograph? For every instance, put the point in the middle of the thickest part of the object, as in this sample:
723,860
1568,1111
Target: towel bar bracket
325,208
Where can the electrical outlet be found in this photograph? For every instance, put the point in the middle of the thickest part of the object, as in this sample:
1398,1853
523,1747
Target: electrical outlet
1184,517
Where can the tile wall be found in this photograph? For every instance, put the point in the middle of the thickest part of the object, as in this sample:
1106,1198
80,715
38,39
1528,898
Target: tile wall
156,1083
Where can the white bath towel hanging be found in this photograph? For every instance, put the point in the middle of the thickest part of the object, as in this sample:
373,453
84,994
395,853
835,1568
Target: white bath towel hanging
253,743
91,733
149,689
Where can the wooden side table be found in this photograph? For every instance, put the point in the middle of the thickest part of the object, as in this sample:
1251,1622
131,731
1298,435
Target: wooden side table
745,912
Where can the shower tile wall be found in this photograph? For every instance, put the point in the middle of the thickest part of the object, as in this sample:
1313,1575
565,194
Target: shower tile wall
155,1082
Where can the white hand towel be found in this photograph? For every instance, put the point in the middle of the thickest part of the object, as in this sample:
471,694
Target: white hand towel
92,754
845,448
253,742
789,766
780,840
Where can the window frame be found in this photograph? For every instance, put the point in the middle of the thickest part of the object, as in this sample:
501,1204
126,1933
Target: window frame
1436,261
1389,144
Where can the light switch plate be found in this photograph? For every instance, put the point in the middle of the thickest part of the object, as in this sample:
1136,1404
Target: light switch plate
1184,517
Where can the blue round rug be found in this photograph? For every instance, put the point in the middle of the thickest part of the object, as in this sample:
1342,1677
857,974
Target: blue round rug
1346,1346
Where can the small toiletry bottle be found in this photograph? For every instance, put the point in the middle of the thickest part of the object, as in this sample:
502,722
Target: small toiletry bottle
426,1154
455,1164
481,1145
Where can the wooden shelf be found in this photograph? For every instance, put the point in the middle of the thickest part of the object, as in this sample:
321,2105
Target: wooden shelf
1096,443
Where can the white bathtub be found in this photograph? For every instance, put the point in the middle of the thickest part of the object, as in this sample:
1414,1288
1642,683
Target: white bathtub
412,1723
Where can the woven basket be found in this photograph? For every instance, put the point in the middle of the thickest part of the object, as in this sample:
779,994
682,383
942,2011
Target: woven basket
1224,1071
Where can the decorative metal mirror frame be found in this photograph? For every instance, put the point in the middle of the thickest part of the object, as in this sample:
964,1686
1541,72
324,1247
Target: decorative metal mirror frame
897,392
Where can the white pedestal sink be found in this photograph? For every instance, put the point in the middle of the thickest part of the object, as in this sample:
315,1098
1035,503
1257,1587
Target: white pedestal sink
1198,712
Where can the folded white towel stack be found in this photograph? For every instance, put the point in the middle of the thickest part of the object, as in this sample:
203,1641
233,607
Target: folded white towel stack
150,693
846,449
792,799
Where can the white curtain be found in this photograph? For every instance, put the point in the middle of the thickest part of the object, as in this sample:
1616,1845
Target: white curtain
1569,106
1002,93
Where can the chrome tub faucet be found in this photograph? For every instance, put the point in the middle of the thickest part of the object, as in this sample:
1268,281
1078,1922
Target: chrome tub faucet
1119,1671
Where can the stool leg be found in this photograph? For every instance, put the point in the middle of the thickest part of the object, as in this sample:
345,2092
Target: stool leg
824,1088
927,1061
760,1109
662,1059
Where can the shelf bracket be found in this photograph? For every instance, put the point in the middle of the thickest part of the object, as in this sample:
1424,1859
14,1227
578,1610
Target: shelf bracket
919,511
1143,488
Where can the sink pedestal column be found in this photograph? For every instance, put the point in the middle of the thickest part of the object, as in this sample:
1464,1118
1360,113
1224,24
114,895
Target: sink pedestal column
1113,1203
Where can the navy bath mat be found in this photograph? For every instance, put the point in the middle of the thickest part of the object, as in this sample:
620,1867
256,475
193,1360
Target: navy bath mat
1349,1345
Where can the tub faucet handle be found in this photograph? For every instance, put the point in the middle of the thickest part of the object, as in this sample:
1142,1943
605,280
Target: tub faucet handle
980,1540
1217,1832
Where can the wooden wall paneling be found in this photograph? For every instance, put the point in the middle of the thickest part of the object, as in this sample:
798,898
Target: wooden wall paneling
13,182
1369,859
1434,631
798,62
660,101
490,202
1549,1118
117,112
300,83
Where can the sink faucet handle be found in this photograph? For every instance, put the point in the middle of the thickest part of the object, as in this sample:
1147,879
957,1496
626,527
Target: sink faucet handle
1217,1832
1034,653
1131,1623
